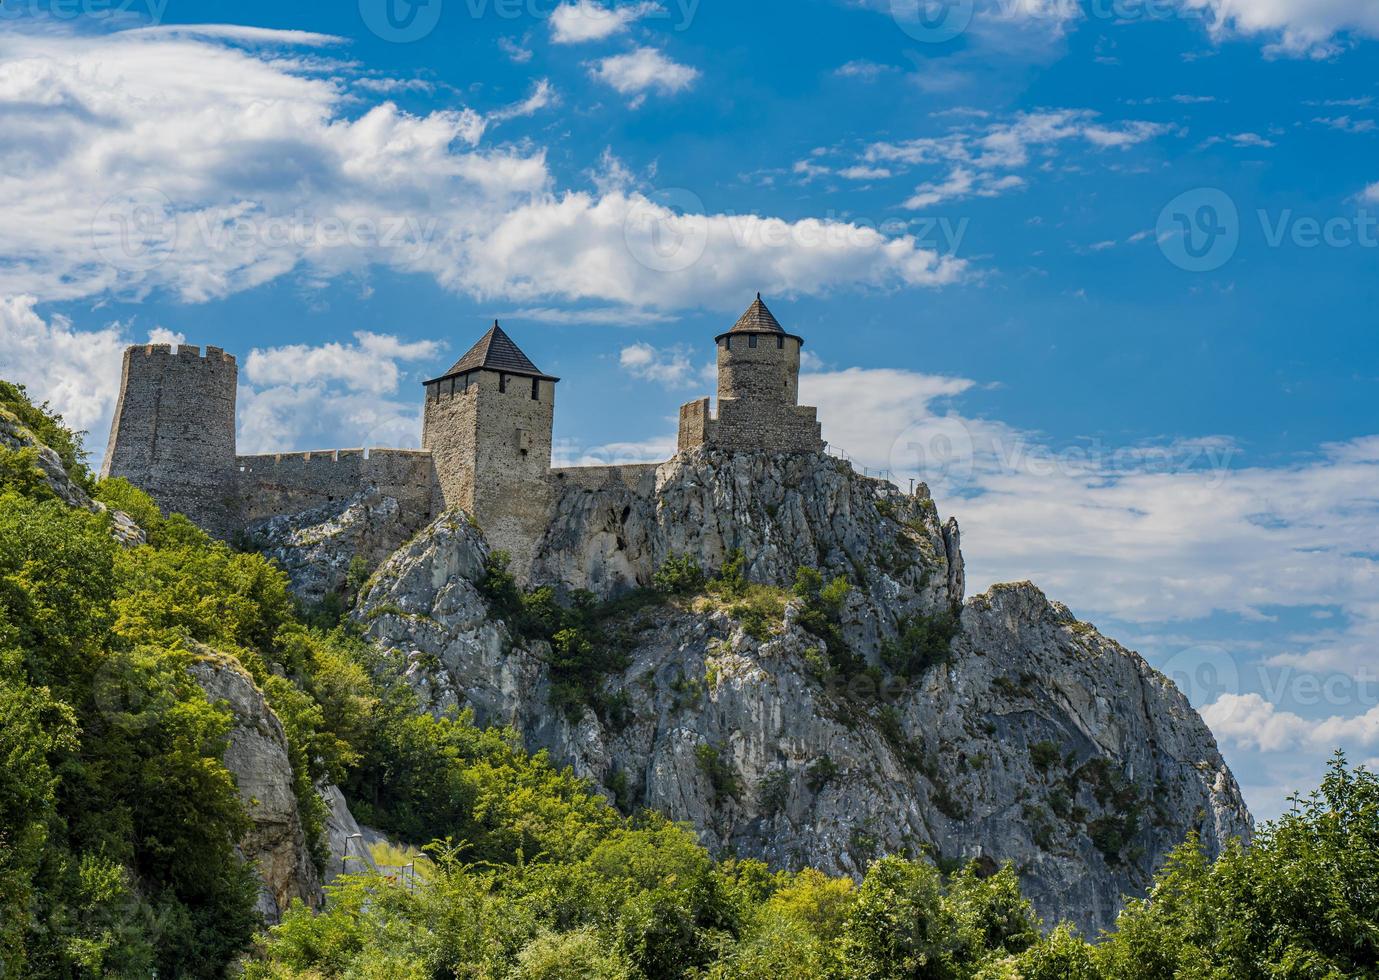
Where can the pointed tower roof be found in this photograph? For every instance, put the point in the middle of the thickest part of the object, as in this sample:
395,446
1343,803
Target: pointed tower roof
758,319
496,351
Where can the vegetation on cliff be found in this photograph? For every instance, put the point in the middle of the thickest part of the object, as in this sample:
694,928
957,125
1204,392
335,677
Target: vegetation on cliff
118,819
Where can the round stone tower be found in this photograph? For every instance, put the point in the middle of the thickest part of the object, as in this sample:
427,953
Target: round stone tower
173,435
758,391
758,362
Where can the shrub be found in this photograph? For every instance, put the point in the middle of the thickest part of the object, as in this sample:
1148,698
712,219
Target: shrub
924,642
719,772
679,576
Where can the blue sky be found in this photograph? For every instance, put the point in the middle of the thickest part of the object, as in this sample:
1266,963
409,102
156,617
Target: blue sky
1102,273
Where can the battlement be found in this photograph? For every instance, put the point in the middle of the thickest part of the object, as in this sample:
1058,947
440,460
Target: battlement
182,353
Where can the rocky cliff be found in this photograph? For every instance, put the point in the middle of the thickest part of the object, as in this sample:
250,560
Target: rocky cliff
1030,738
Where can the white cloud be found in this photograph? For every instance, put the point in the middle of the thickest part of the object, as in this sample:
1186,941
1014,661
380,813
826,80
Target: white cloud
672,366
1370,195
1248,720
142,161
77,371
654,450
644,70
1347,124
369,365
982,161
542,97
588,20
867,71
861,172
1297,27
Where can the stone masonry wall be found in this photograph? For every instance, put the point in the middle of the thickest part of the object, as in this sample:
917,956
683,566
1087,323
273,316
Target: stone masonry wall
173,433
511,485
640,477
289,483
696,425
450,433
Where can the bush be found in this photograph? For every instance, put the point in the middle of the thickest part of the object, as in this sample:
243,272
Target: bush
720,773
924,642
679,576
1044,755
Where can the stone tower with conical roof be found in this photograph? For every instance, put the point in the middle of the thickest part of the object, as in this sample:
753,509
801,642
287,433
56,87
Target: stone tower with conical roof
758,392
487,424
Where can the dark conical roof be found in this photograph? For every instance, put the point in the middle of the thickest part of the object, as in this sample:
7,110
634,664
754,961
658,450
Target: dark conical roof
496,351
758,319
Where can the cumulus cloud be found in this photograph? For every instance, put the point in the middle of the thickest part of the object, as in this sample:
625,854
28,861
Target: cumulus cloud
295,397
1248,720
334,395
1294,27
142,161
642,71
673,366
588,20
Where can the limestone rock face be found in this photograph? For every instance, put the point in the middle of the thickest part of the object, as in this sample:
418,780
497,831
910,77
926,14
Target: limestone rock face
1038,741
783,512
15,436
257,756
316,547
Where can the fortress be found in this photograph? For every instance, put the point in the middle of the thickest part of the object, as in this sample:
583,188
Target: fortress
486,437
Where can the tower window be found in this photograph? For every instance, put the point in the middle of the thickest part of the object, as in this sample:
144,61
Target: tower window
536,389
752,340
502,383
780,343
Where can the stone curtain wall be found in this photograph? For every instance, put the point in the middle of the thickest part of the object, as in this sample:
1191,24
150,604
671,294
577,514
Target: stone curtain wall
696,425
637,477
174,431
289,483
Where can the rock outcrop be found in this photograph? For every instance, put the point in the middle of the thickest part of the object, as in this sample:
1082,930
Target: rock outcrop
1035,740
317,547
15,436
258,758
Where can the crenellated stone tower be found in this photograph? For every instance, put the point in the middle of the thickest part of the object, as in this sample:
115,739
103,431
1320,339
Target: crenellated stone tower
487,425
174,431
758,392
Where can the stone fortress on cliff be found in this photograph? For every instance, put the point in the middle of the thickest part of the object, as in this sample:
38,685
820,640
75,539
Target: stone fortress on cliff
486,438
